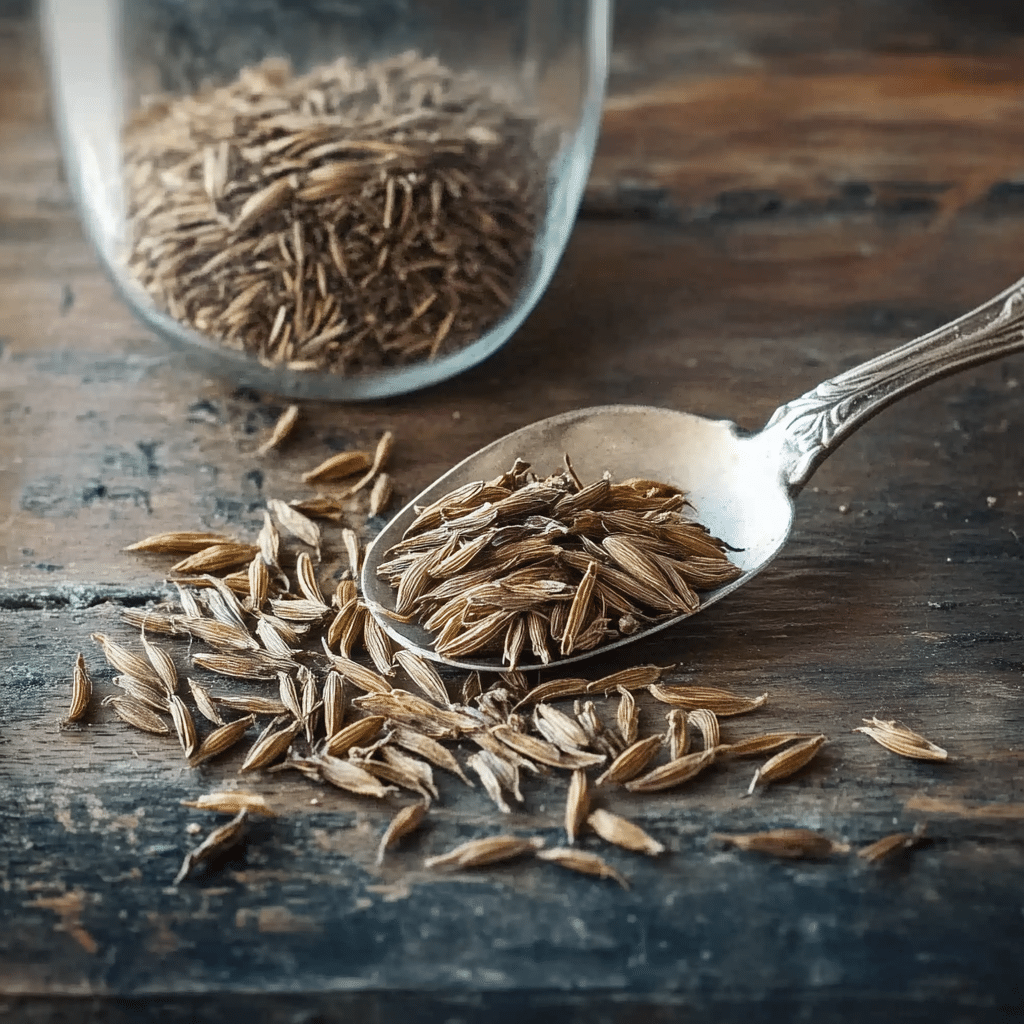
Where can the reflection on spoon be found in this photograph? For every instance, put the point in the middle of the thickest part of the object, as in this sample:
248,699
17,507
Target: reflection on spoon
741,485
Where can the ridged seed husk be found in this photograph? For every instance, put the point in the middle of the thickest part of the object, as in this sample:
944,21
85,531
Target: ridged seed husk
901,740
297,609
677,735
214,559
81,691
221,740
674,773
409,709
559,729
787,762
763,744
380,494
269,747
232,802
793,843
405,821
378,646
424,675
556,689
381,455
430,749
479,852
577,804
259,582
706,723
239,667
282,428
334,702
151,622
137,714
305,576
183,724
543,752
339,466
220,840
484,769
295,523
350,539
204,702
181,542
631,762
585,863
627,717
362,678
413,766
350,777
219,634
289,694
622,832
635,678
720,702
145,693
888,846
399,776
353,735
125,661
250,703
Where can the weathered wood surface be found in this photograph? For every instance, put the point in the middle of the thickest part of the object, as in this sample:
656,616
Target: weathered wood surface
761,217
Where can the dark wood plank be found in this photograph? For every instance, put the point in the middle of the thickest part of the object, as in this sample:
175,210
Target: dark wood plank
775,199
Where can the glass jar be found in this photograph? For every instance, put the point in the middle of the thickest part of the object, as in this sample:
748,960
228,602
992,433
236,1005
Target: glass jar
329,198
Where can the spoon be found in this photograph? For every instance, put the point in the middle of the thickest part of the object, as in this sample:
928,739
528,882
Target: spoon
741,485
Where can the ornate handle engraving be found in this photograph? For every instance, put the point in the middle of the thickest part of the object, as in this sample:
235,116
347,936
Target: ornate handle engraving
815,424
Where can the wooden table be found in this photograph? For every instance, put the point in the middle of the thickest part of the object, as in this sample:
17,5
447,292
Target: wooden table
776,197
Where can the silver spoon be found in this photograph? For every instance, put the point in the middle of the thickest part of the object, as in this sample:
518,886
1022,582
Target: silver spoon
741,485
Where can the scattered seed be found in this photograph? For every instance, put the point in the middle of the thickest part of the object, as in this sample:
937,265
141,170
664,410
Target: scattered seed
232,802
763,744
479,852
405,821
901,740
183,724
269,747
613,829
184,542
585,863
631,762
123,660
706,723
219,841
353,735
81,691
221,740
137,714
674,773
886,847
719,702
794,843
380,494
577,805
215,558
282,428
204,702
788,761
339,466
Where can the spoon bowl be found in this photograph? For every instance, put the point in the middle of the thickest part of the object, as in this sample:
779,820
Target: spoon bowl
741,485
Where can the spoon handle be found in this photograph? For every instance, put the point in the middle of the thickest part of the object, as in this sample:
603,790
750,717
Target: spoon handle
815,424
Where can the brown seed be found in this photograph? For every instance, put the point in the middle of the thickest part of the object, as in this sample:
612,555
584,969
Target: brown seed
543,752
577,805
250,703
482,764
305,576
162,664
901,740
706,723
289,694
555,689
412,766
219,841
238,667
763,744
361,677
151,622
353,735
479,852
282,428
334,702
81,691
674,773
296,523
613,829
678,733
380,494
219,634
629,679
585,863
380,459
221,740
339,466
424,675
125,661
631,762
429,749
719,702
886,847
137,714
578,610
269,747
153,697
378,646
787,762
794,843
207,708
259,582
299,610
215,558
627,717
183,542
559,729
405,821
350,777
183,724
232,802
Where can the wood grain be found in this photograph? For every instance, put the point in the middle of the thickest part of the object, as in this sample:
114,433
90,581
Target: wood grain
759,218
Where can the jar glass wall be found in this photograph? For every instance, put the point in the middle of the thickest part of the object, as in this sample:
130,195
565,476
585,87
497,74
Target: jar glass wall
329,198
